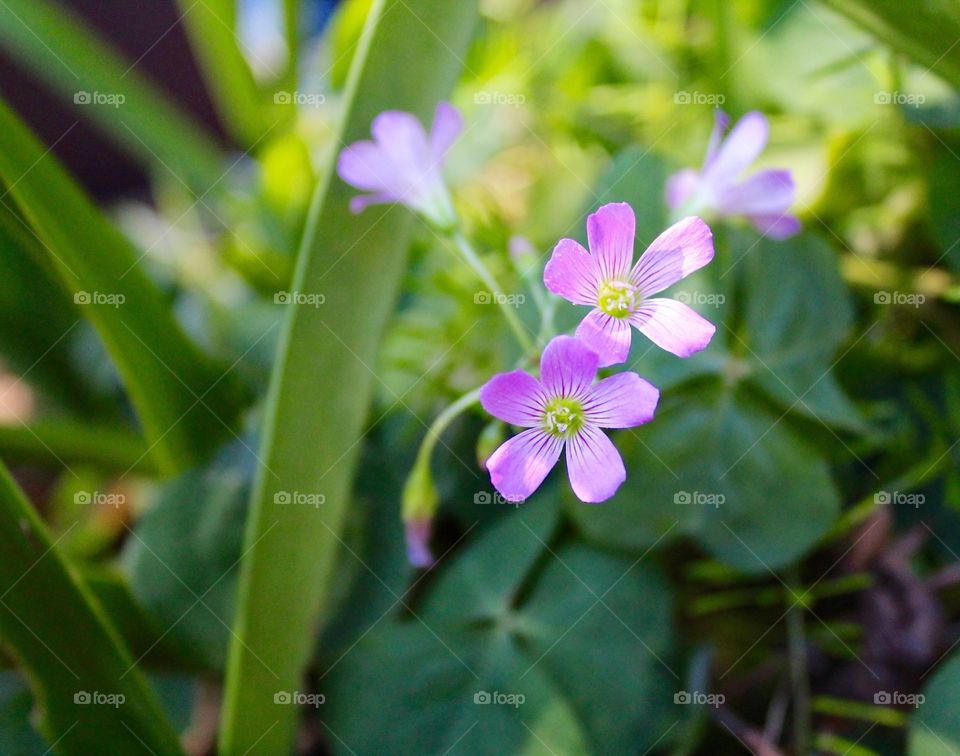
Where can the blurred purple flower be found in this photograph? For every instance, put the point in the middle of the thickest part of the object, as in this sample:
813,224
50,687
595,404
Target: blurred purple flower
417,533
762,198
564,409
403,163
620,295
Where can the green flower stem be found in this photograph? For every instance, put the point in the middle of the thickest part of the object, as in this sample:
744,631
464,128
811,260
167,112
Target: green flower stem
442,422
467,250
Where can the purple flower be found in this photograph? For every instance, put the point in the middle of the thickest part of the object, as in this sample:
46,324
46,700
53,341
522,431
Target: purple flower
403,163
762,198
564,409
622,296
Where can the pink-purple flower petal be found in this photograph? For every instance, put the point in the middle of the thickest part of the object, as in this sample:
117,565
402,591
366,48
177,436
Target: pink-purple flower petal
741,147
362,165
681,187
567,367
516,398
679,251
594,466
776,226
673,326
764,193
721,122
519,465
610,232
609,337
447,125
623,400
572,273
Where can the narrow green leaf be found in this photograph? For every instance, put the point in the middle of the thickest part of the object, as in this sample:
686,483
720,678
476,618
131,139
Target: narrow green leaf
184,402
78,65
928,33
66,442
212,26
408,59
72,657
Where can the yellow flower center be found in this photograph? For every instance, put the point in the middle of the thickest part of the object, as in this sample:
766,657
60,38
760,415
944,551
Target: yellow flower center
618,299
563,417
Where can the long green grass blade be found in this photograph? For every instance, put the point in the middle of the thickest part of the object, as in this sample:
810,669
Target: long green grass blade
212,26
408,59
928,34
185,403
88,691
79,66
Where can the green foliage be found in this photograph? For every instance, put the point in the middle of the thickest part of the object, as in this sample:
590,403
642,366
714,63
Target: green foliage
185,402
407,60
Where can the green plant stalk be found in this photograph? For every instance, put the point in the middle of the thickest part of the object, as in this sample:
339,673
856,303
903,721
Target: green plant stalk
509,312
63,52
71,651
184,401
408,58
55,443
212,27
799,674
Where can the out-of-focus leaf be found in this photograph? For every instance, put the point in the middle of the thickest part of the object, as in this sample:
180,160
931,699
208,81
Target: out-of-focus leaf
408,59
935,725
928,34
212,26
725,471
797,315
580,646
37,318
184,401
182,556
72,652
62,51
57,442
16,734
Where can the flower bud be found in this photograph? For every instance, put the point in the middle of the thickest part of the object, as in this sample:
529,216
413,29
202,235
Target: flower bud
419,507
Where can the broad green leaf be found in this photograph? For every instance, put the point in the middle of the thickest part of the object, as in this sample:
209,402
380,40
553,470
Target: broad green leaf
184,402
79,66
749,489
798,314
182,556
572,630
408,59
73,651
935,725
212,26
928,34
